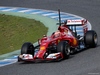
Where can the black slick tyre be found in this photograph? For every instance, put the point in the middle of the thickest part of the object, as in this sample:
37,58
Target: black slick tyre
90,38
64,48
27,48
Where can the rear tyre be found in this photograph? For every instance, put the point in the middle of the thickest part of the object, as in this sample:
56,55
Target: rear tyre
64,48
27,48
90,38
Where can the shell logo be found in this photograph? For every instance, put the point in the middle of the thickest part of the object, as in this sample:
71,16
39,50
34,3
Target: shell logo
42,48
74,42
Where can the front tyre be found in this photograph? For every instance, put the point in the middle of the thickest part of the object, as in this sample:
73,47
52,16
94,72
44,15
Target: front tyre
27,48
90,38
64,48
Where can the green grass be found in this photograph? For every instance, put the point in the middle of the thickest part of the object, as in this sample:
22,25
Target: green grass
14,31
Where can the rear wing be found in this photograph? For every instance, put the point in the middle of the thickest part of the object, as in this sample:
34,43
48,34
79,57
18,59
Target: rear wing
77,22
71,22
78,26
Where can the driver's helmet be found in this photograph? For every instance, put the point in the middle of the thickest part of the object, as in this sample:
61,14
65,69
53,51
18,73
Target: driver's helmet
57,34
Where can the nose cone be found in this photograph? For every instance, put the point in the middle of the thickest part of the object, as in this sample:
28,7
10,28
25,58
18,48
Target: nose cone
40,54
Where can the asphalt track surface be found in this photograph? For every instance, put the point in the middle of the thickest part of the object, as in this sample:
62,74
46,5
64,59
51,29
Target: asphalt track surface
83,63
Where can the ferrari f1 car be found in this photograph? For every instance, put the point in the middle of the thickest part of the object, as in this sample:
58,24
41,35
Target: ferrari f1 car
71,36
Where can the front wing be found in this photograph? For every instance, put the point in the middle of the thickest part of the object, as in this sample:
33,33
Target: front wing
29,57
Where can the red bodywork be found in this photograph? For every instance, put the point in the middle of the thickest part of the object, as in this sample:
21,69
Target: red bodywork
46,42
64,34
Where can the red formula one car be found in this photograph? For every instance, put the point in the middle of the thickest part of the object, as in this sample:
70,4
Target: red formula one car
68,39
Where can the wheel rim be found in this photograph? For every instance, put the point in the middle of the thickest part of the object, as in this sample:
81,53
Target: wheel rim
67,51
95,39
